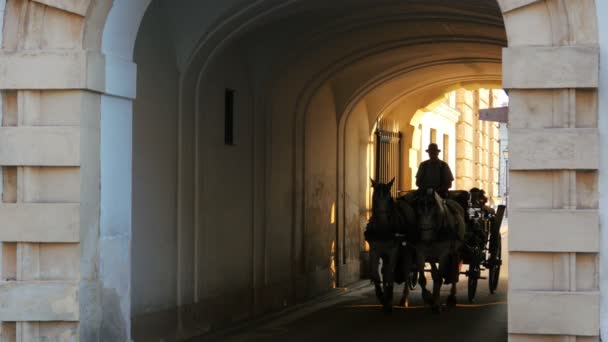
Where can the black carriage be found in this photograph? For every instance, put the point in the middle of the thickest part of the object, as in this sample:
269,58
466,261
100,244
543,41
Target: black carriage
481,249
482,245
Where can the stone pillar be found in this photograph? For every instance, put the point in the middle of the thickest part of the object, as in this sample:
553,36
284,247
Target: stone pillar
40,214
49,219
552,74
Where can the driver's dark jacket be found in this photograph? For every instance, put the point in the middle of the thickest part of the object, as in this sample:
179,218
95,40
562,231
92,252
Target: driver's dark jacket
434,174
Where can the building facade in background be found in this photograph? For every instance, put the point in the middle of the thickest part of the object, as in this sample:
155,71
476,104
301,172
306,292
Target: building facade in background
469,145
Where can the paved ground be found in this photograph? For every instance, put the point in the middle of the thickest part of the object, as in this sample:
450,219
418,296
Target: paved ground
356,316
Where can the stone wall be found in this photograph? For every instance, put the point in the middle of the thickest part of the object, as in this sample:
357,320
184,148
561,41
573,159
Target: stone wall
68,82
477,143
45,115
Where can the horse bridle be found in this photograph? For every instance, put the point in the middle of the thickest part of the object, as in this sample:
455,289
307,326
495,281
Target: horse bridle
388,212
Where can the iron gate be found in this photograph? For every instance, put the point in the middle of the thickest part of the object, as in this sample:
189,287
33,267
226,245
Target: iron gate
388,156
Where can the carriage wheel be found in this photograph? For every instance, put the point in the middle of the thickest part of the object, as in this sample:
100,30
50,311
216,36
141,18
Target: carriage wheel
473,276
496,261
413,280
495,247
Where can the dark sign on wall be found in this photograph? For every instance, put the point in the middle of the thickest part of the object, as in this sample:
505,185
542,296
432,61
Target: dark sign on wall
498,114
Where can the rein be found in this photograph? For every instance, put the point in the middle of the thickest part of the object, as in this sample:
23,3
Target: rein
385,222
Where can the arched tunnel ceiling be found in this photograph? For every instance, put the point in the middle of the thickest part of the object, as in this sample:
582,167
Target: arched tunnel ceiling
377,51
441,65
383,52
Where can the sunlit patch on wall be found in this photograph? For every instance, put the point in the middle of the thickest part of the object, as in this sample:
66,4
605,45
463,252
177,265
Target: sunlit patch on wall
332,219
369,175
332,265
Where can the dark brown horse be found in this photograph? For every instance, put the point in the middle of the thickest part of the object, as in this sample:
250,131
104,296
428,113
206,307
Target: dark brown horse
440,225
387,233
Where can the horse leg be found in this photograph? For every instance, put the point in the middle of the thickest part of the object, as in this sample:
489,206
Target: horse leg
375,265
437,282
451,301
427,296
446,268
420,264
379,292
388,297
388,273
404,301
407,269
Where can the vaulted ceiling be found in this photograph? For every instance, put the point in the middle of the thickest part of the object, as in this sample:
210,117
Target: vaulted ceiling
378,52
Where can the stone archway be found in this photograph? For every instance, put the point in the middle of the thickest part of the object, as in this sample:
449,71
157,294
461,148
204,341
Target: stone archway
75,58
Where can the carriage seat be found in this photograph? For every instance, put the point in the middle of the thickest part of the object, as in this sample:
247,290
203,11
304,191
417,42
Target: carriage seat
462,197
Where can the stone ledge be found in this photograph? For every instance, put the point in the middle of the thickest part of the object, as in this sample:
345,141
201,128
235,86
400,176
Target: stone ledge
550,67
39,146
38,301
554,313
554,230
510,5
554,149
46,223
54,69
73,6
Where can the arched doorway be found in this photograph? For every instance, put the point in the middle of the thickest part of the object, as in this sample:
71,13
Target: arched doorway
79,55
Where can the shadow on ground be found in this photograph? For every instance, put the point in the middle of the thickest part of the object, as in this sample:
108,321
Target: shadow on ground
356,316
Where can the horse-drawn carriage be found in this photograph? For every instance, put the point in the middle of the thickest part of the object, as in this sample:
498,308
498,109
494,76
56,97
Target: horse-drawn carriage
424,228
482,242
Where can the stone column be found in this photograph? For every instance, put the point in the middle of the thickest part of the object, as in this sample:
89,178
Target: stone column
49,219
552,74
40,214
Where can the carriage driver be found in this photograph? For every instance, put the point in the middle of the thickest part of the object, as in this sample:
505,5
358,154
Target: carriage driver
434,173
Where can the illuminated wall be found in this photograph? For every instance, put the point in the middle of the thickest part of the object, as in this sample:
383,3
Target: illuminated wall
470,146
